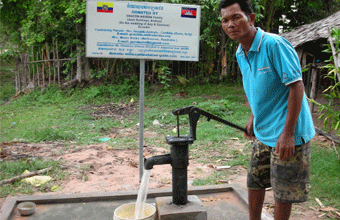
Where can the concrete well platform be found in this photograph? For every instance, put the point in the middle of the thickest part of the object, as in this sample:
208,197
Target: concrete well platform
221,202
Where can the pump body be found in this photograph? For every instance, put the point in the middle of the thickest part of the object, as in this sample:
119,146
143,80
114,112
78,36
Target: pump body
179,152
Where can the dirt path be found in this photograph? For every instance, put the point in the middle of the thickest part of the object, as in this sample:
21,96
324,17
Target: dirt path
99,168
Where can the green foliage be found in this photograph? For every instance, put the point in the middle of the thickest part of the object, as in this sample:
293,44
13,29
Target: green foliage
210,22
98,74
164,75
330,113
268,10
127,88
47,19
51,95
258,8
303,12
6,92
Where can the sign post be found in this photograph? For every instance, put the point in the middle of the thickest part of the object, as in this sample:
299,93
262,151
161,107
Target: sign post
144,31
141,117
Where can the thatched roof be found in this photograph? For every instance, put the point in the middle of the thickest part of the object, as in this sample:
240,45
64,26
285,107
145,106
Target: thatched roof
313,31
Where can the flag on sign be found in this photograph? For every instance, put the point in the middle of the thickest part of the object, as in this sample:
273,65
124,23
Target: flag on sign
188,12
105,7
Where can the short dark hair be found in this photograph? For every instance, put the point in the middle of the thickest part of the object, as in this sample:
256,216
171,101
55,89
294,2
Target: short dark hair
245,5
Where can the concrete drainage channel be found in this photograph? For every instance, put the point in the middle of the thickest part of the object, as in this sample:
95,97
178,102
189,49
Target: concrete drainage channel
226,201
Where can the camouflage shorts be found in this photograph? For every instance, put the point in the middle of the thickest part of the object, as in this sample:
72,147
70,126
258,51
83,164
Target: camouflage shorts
289,179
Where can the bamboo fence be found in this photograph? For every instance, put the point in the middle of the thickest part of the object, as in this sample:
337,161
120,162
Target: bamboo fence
40,67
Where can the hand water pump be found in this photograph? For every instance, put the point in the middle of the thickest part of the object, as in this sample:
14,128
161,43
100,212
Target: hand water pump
179,152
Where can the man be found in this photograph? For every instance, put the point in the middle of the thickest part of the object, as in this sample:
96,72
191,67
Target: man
280,121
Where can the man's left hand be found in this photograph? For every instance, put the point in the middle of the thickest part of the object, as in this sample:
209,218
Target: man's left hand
285,146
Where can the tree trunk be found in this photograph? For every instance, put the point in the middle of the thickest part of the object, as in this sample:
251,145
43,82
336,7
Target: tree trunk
79,64
224,63
87,74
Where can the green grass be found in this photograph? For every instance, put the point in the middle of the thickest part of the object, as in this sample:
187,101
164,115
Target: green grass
7,86
10,169
212,179
52,115
325,175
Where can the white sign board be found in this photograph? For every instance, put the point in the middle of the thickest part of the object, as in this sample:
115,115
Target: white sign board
142,30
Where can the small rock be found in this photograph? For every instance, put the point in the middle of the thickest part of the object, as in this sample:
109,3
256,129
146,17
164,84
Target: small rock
156,123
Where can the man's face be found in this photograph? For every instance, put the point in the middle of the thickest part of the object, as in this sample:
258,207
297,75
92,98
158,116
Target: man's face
235,23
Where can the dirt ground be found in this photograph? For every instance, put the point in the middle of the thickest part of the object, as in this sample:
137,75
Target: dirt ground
100,168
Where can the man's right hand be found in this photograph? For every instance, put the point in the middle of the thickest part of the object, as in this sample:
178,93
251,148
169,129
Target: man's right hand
249,128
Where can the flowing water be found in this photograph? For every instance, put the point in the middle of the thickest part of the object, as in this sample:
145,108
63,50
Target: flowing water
142,194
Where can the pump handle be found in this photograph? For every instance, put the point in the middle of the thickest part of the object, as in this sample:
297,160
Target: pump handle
194,114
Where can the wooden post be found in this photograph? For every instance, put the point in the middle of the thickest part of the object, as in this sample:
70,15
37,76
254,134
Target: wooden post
43,67
37,67
28,68
336,59
71,72
224,63
16,79
49,63
54,72
313,88
79,64
32,59
19,78
58,62
107,70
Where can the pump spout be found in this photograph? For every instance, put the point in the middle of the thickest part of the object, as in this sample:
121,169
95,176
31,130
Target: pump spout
157,160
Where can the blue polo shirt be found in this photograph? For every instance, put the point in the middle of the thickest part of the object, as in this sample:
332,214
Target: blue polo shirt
269,67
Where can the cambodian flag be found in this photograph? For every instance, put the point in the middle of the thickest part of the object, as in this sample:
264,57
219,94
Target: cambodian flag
188,12
105,7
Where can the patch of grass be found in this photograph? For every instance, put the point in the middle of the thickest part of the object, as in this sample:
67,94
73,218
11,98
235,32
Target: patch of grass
44,117
325,178
125,89
125,143
11,169
7,86
213,179
83,170
6,92
50,134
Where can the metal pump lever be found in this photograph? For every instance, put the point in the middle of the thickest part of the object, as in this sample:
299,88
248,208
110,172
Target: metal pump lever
194,114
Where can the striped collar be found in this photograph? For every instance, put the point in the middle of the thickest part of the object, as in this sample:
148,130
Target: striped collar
256,45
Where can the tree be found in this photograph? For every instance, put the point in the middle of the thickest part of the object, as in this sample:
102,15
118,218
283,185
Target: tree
265,9
34,23
298,13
